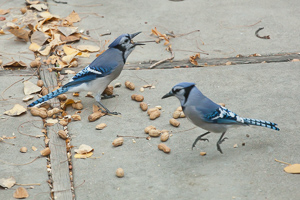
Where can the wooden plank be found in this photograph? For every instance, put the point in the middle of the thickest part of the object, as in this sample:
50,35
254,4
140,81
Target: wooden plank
58,157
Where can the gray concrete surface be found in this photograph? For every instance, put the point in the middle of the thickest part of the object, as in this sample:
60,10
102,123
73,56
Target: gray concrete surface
264,91
12,161
227,27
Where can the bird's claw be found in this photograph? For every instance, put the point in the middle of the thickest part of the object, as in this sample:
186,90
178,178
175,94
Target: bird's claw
105,96
197,139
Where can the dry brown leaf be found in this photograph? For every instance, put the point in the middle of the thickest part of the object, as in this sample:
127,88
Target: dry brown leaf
292,169
69,50
48,16
16,110
56,41
33,148
83,54
30,18
83,149
4,11
15,65
67,30
73,17
2,32
21,193
34,47
39,38
68,102
39,7
193,59
32,2
69,58
20,33
90,48
160,35
27,98
30,88
7,182
45,50
87,155
71,38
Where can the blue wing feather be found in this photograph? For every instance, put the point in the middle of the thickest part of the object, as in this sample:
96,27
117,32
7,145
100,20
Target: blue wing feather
223,116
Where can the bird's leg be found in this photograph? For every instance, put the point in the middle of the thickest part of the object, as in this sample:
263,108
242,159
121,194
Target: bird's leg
200,138
97,97
220,142
105,96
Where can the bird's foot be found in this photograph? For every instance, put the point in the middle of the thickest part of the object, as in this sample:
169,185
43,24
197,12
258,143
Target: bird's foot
113,113
220,142
105,96
197,139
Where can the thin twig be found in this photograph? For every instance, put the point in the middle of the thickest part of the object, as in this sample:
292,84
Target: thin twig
29,184
2,140
185,130
164,60
9,87
62,2
35,136
132,136
261,37
179,35
20,164
282,162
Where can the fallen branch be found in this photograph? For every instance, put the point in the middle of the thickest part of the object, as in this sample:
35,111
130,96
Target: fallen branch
164,60
261,37
282,162
20,164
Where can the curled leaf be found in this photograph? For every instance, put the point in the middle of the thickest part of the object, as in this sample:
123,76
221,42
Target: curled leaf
30,88
90,48
193,59
20,33
84,149
16,110
15,65
7,182
73,17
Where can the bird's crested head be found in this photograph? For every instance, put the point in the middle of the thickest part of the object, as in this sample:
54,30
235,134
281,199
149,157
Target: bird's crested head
125,43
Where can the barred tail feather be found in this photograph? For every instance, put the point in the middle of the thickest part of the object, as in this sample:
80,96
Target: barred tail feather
262,123
48,96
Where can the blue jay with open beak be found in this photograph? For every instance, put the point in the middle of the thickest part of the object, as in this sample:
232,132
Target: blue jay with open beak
100,73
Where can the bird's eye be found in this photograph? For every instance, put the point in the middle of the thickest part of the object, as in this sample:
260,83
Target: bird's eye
177,90
126,40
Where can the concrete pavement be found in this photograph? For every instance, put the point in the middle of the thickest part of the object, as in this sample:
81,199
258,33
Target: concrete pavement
267,91
247,172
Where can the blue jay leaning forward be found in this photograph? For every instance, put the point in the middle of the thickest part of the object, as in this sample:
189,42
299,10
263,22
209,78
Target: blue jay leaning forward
208,115
97,76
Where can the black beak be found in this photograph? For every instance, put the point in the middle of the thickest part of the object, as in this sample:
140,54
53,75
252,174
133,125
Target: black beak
170,94
133,35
